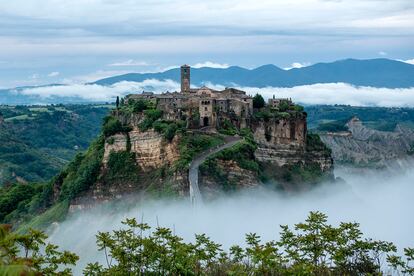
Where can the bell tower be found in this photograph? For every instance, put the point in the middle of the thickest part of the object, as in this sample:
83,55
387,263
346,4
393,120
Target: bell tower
185,78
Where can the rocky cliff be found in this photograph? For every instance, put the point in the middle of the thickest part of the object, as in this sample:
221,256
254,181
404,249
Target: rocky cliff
143,152
365,147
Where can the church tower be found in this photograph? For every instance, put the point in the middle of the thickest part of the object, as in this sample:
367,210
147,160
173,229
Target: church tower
185,78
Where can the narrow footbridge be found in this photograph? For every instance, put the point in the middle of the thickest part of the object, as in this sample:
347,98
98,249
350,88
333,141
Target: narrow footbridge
195,195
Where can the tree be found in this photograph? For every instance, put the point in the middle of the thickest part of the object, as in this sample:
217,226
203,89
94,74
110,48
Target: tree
117,102
258,101
312,248
30,255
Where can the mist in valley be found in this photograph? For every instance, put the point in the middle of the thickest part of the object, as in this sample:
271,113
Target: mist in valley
380,201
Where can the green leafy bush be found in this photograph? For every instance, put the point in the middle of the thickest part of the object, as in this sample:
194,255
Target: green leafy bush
113,126
121,165
170,131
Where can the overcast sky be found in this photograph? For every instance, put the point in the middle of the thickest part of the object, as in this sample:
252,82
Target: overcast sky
55,41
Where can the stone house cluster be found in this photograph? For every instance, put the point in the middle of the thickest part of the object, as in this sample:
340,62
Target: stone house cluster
202,107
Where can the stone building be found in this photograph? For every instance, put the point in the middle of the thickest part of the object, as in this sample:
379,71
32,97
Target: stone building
206,106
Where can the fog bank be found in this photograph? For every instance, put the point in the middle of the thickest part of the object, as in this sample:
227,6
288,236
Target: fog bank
320,93
381,203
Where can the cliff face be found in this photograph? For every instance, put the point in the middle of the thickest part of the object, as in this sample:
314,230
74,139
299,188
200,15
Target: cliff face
283,142
151,150
363,146
137,160
235,178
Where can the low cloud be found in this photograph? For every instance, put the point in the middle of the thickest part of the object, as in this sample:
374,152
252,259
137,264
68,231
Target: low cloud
211,65
381,202
340,93
329,93
94,92
410,61
297,65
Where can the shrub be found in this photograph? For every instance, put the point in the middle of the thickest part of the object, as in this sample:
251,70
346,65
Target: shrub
139,105
170,131
227,127
113,126
258,101
284,106
314,143
122,165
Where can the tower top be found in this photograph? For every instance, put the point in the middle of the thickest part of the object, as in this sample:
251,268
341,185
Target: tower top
185,78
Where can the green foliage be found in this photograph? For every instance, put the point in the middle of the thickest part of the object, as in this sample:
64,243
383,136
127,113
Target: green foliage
298,108
170,131
38,147
313,247
314,143
83,171
334,126
258,101
227,128
379,118
55,213
242,153
113,126
264,115
140,105
15,197
151,116
284,106
121,166
193,143
30,255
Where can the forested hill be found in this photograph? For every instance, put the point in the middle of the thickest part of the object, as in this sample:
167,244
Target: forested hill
374,72
37,141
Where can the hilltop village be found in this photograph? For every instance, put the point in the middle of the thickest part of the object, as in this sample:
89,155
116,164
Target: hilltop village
162,134
205,107
195,141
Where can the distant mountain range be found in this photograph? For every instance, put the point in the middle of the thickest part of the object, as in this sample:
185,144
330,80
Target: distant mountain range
373,72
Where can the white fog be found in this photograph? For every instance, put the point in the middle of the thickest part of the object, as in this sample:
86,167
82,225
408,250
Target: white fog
382,203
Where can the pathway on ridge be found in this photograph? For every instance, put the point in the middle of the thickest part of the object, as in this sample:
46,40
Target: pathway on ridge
195,195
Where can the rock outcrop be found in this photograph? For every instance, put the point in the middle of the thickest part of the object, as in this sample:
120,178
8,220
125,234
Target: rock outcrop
151,150
363,146
283,142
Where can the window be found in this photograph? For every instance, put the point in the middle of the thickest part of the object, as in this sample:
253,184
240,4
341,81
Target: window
205,108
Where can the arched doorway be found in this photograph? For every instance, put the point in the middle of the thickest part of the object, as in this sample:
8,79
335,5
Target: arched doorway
205,121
